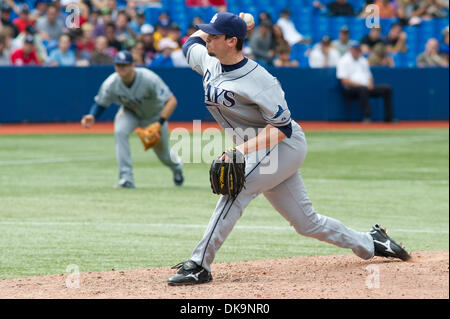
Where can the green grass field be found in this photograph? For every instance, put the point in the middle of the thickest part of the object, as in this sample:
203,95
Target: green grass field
58,206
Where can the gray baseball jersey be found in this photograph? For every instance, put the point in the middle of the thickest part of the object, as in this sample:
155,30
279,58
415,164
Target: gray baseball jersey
245,96
141,105
145,98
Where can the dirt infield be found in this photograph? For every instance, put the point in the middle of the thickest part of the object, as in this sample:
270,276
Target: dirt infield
107,127
337,276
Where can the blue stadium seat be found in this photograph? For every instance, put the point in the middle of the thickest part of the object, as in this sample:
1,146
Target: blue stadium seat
152,14
411,58
386,25
336,23
233,9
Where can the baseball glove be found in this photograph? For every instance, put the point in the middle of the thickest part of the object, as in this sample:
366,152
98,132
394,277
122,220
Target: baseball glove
228,177
149,135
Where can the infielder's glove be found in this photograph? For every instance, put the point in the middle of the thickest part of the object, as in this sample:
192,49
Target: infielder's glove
149,135
228,177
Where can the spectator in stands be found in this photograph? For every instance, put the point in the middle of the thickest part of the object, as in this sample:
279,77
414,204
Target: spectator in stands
131,10
123,30
99,56
178,58
41,50
113,43
343,43
25,55
63,56
138,53
5,20
197,20
278,40
191,29
147,38
323,55
261,43
94,17
396,39
410,11
443,48
379,57
430,57
175,33
85,44
164,59
353,71
283,58
23,20
49,26
436,8
264,16
162,28
387,9
137,23
290,33
336,8
5,53
111,5
370,40
40,8
106,18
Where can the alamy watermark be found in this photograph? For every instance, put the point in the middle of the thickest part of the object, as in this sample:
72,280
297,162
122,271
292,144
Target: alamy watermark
205,145
372,12
373,278
73,19
73,277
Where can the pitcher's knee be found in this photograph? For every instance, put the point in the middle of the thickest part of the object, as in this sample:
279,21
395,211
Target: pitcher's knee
308,226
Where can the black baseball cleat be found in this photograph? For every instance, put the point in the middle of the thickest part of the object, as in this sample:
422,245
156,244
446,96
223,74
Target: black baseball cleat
189,273
178,178
386,246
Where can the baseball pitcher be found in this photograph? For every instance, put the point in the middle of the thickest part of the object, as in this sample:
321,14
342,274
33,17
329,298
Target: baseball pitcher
249,102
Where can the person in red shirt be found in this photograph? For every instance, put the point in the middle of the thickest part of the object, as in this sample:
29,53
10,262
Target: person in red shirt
26,55
23,20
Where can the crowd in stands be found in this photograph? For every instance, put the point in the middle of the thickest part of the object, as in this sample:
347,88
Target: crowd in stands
45,32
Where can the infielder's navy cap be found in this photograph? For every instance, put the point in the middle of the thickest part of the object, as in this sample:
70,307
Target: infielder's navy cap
123,57
226,23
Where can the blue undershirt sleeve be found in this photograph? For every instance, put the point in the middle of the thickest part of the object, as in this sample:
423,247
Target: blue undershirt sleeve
97,110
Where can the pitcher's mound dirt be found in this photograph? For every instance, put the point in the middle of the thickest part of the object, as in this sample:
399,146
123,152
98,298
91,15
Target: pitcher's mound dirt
346,276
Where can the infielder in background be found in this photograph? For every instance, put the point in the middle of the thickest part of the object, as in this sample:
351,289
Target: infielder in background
244,97
145,99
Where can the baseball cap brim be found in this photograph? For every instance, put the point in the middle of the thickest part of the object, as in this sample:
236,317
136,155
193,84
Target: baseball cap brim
121,61
118,61
209,28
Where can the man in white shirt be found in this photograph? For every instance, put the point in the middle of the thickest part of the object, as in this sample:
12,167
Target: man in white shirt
290,33
323,55
357,81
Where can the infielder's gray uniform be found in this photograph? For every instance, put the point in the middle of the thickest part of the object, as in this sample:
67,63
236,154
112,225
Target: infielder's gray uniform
248,98
140,105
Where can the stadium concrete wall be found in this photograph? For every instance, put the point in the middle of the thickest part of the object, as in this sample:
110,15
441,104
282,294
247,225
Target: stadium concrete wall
64,94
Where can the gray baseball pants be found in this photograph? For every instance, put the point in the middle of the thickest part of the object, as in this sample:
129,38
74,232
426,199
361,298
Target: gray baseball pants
125,122
285,190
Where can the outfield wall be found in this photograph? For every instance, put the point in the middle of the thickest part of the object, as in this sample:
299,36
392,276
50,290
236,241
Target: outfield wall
63,94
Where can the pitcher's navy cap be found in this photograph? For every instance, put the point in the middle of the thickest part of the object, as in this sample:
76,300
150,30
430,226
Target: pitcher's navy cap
226,23
123,57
